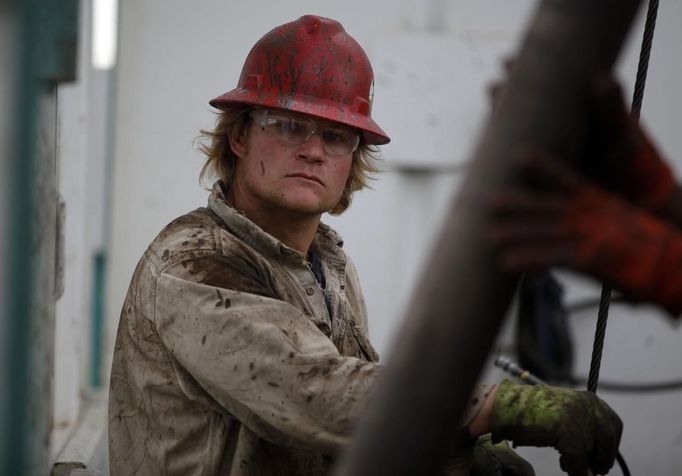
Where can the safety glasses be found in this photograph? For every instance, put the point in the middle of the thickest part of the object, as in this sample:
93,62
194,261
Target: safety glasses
297,130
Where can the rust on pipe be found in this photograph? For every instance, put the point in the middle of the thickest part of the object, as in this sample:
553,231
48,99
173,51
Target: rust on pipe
462,299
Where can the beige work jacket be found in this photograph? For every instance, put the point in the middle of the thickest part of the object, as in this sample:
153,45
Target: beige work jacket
227,360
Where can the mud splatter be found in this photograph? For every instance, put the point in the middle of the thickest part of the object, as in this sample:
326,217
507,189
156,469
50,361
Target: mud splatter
309,374
220,299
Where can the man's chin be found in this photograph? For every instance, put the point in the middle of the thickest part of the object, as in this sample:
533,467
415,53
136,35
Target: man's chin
309,209
310,205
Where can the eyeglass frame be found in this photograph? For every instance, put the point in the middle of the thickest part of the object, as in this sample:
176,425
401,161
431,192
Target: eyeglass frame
260,115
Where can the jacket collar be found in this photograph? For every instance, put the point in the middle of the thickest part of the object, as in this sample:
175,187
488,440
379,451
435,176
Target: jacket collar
327,241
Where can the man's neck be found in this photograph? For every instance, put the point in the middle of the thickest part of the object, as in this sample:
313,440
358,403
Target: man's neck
294,229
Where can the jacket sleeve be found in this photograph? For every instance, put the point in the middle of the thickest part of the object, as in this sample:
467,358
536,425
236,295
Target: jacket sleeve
264,361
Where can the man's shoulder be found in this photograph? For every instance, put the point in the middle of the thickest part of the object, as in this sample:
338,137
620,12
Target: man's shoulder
199,247
198,234
194,232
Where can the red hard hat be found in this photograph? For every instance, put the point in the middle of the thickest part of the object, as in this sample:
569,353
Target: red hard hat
311,66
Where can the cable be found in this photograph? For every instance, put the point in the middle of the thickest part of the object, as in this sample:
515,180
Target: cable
637,98
599,334
509,366
638,95
644,54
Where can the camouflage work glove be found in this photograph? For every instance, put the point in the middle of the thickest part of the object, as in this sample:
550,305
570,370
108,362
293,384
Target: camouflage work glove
499,459
584,430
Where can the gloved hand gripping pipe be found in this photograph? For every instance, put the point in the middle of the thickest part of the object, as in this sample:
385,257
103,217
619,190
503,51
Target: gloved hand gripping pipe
512,368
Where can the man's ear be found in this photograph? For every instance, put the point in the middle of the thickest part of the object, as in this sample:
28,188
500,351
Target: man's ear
239,141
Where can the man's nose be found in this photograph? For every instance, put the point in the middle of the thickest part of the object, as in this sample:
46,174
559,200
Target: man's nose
312,149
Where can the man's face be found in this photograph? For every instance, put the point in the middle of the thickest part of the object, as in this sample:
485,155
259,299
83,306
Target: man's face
274,175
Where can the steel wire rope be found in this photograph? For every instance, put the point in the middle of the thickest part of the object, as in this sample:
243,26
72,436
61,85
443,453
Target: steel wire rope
637,97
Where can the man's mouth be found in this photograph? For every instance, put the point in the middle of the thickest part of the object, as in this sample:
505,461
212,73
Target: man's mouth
312,178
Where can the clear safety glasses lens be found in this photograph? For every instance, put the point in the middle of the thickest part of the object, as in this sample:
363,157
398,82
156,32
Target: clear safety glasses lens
296,131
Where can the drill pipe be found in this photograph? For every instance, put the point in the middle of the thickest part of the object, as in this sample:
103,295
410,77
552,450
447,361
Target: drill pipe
463,297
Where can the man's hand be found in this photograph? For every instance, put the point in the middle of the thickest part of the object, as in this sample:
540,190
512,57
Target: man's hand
499,459
558,218
620,156
583,428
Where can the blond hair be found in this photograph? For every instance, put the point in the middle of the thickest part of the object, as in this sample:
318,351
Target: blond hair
221,160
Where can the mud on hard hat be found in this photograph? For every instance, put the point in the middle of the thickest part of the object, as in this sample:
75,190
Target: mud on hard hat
311,66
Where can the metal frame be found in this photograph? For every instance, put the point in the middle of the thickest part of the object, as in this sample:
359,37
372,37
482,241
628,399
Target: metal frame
47,34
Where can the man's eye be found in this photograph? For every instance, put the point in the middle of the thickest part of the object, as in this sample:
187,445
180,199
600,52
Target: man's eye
279,123
288,125
333,136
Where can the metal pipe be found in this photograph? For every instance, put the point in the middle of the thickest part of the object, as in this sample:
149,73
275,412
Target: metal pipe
16,317
462,298
46,44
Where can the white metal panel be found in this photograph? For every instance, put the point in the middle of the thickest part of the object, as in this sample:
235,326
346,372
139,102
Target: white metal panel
432,93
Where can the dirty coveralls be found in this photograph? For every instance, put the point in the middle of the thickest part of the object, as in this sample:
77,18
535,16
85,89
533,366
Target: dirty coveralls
227,360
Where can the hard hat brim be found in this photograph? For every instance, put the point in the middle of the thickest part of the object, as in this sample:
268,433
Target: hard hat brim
372,134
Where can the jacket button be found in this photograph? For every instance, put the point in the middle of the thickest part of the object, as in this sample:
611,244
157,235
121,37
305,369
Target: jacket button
310,291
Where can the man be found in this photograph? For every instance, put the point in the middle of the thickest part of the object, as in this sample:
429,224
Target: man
614,215
242,346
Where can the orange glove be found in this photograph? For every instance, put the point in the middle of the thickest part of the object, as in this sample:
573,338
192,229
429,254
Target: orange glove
560,219
620,156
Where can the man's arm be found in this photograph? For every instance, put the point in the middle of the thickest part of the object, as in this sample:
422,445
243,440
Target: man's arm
480,425
265,362
270,367
584,429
